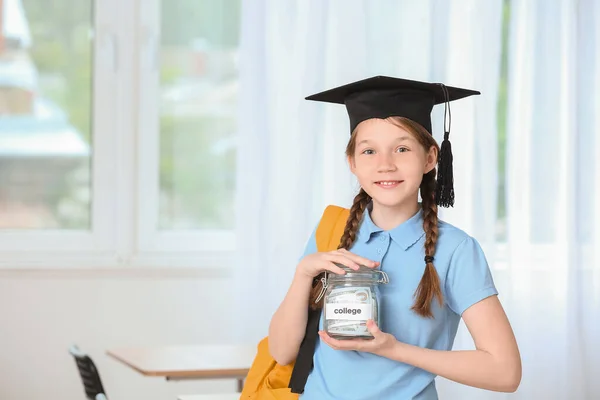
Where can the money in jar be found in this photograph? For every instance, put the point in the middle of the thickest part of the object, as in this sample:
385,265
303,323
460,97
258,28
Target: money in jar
350,301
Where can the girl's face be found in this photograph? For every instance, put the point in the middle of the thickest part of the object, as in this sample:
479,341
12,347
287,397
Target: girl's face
389,162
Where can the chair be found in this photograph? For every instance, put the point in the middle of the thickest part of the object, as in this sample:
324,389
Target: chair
89,375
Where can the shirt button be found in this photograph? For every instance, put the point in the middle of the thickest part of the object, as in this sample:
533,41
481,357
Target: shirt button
379,251
382,238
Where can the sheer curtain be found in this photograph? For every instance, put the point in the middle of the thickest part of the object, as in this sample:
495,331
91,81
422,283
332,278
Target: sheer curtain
289,50
553,196
548,266
291,157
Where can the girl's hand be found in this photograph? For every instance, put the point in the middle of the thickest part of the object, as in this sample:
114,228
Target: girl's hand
313,264
381,344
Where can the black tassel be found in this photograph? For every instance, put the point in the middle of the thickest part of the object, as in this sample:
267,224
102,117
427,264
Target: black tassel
444,193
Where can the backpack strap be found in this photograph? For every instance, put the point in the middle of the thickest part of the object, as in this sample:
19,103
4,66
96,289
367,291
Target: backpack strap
328,235
304,360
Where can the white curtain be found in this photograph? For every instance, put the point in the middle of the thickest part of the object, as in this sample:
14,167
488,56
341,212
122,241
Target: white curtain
553,196
291,157
291,49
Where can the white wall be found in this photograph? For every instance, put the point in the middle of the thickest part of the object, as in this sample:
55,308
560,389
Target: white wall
43,313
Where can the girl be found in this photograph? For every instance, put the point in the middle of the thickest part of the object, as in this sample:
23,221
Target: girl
437,273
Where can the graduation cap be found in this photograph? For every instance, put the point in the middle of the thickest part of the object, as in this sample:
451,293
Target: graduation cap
383,96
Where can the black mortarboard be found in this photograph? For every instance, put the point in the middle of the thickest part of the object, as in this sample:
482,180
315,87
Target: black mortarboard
383,96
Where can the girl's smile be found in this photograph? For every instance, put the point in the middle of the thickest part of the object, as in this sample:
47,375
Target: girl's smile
388,184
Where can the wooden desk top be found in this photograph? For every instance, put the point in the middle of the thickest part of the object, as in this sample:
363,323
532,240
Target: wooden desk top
173,362
220,396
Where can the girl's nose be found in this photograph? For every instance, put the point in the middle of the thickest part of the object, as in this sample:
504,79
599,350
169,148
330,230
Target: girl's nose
386,163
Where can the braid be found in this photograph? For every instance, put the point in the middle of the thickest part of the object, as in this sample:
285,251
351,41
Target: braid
361,201
429,287
357,210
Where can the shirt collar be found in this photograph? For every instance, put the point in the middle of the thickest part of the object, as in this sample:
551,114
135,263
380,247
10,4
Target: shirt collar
406,234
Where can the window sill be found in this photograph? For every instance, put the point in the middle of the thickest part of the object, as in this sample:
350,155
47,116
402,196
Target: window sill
216,264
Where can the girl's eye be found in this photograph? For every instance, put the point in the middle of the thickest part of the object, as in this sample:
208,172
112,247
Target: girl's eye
368,151
401,149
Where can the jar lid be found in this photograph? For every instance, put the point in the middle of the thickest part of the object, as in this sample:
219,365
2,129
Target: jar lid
363,273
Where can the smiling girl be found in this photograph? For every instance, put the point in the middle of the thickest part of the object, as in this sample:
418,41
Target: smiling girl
438,274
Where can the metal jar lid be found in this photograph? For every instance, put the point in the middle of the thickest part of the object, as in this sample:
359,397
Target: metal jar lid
362,274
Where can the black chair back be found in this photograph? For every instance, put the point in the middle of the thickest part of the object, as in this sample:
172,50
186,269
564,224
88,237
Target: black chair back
88,373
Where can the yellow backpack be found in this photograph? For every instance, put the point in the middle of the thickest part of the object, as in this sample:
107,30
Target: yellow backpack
268,380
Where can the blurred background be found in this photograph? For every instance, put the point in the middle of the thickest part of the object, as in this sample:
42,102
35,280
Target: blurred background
160,172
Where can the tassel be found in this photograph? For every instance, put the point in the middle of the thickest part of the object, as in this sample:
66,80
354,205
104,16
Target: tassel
444,193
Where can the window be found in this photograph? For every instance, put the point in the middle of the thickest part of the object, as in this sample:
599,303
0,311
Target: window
197,108
45,115
188,100
501,233
58,127
117,131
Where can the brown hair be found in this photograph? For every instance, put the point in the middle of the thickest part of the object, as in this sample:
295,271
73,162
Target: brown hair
429,287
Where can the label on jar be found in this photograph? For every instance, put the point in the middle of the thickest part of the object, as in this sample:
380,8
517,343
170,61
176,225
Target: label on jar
349,304
348,311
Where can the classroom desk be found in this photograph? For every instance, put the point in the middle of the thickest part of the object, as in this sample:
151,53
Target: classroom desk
189,362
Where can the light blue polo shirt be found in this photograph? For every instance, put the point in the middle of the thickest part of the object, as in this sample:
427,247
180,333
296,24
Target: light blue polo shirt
465,279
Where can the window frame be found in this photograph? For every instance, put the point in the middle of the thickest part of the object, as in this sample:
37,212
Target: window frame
125,148
151,241
19,245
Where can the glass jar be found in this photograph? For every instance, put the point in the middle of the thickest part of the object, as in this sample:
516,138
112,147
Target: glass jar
351,300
